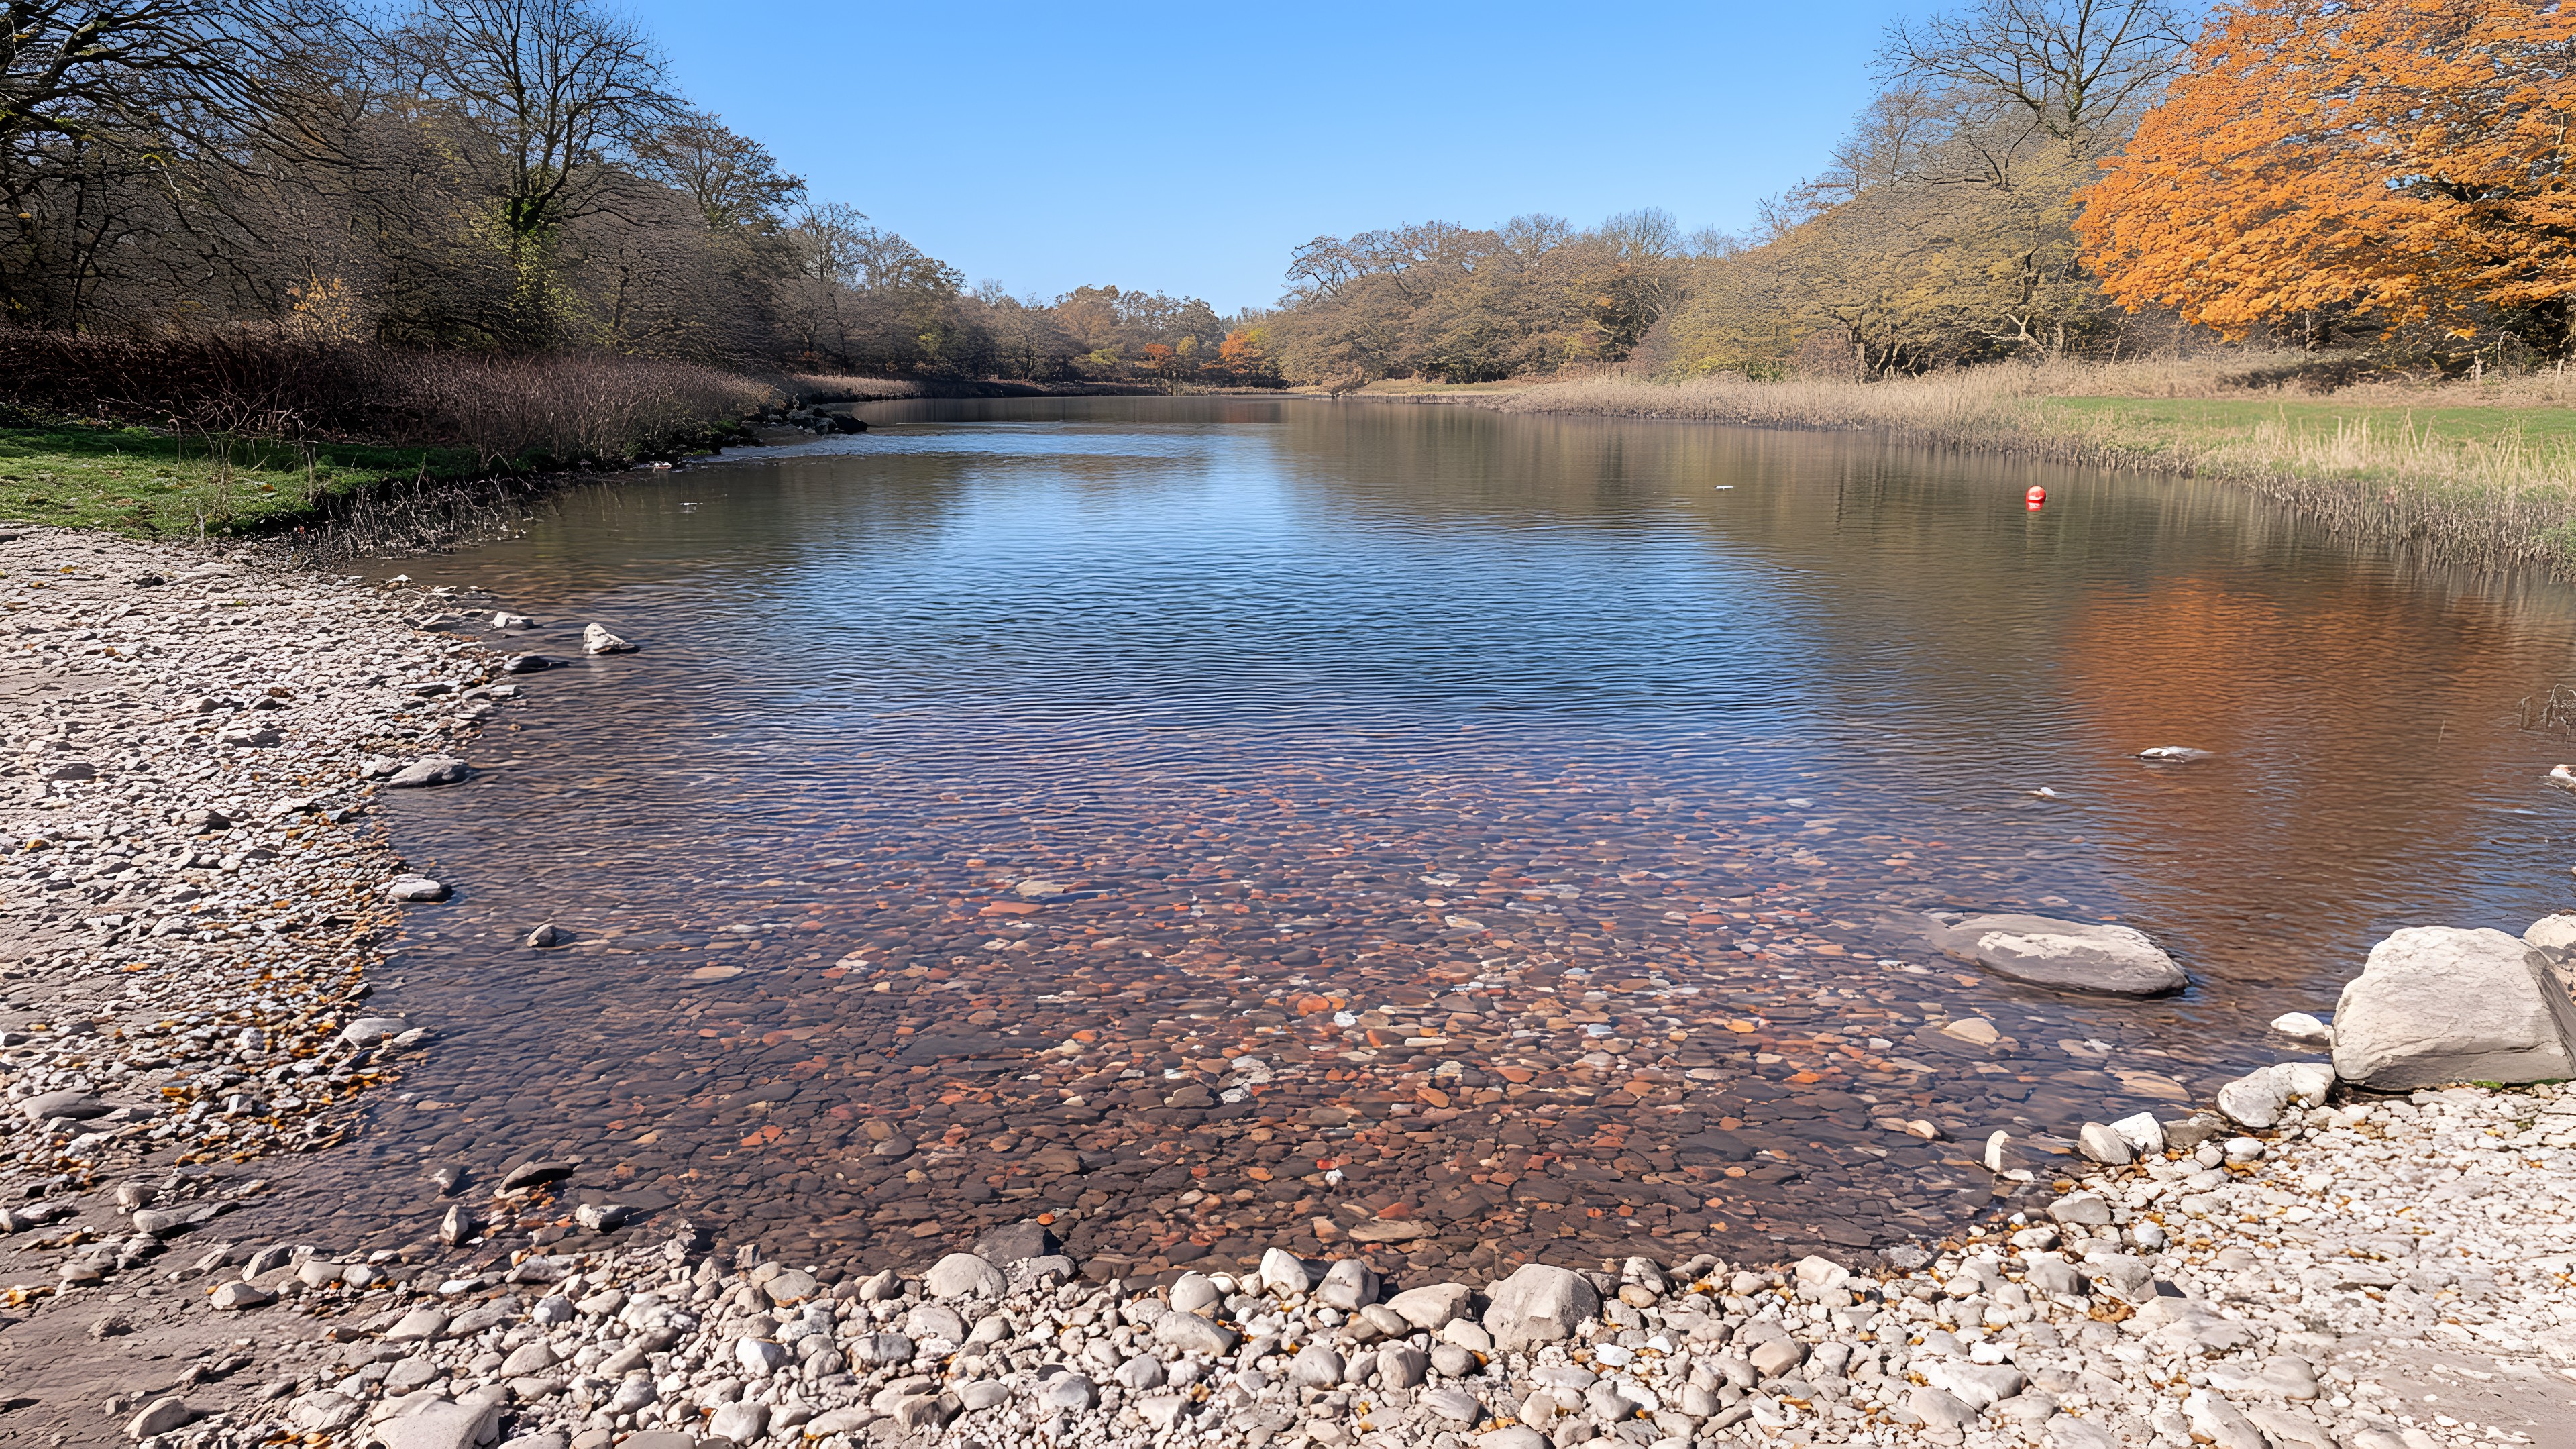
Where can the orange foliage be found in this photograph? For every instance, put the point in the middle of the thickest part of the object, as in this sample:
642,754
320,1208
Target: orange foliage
2405,158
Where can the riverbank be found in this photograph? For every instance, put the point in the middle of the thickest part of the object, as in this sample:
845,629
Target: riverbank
2478,475
2383,1274
228,1287
199,908
196,892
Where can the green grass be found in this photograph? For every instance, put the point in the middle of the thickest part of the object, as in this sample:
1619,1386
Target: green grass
147,484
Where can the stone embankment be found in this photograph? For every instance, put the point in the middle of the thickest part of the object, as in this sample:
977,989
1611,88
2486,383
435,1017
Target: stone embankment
2350,1253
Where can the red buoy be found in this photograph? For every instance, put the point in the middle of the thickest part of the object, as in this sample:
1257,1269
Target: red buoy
2036,496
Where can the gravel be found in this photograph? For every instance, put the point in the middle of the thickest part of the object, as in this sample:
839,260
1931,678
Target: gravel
2372,1273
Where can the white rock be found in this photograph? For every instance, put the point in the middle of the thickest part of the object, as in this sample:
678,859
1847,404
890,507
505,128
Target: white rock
1348,1284
1978,1385
595,639
2255,1099
1456,1405
2553,933
739,1423
1316,1365
2213,1416
1539,1304
438,1424
1194,1293
428,771
1189,1333
1816,1272
963,1275
2299,1026
416,890
2435,1005
1433,1305
159,1417
1284,1272
2106,1145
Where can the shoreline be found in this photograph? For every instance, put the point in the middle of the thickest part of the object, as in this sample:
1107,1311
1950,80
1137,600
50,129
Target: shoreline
2371,471
194,1332
196,893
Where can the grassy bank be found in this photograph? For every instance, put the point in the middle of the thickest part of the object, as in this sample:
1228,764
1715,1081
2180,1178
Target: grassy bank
2483,475
149,484
231,435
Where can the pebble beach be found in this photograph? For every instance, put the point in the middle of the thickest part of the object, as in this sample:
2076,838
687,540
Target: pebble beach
194,912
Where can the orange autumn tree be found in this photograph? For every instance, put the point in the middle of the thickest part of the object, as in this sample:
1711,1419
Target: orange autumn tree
2402,160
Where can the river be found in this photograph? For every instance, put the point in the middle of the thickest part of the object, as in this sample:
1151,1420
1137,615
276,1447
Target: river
1226,822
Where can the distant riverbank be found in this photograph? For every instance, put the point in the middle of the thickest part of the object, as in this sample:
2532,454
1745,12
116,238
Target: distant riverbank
2477,475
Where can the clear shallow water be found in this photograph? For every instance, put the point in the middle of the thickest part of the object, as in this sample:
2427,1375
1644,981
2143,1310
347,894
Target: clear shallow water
1574,763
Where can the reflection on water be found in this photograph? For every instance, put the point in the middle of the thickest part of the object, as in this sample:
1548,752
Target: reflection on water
1218,823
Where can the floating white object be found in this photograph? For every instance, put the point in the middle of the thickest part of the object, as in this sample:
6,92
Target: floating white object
2045,793
2561,775
2172,752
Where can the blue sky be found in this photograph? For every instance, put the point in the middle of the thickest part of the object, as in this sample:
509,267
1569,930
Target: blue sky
1187,148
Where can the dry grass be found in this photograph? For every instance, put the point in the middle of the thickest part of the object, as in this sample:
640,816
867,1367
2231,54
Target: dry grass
538,411
237,434
2479,474
825,387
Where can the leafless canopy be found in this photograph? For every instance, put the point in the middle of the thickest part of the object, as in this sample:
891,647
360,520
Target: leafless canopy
562,92
2070,66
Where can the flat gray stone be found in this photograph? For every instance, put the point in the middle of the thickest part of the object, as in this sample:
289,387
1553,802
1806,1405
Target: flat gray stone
1431,1306
237,1295
1017,1242
369,1030
793,1286
1940,1408
1189,1333
420,774
77,1105
2435,1004
1456,1405
438,1425
2066,955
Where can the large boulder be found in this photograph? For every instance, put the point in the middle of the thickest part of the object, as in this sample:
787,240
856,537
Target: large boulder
2436,1004
1539,1304
2066,955
964,1275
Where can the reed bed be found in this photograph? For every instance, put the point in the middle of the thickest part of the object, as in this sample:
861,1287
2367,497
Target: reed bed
2482,475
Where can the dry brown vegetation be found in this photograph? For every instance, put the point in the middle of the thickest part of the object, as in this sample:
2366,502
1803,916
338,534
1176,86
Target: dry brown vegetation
533,410
2479,473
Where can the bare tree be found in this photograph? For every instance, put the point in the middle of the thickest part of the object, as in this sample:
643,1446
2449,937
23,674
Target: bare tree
2072,67
556,97
732,178
112,111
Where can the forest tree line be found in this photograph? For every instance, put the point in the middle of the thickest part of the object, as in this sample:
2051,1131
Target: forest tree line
2091,178
506,177
2387,178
